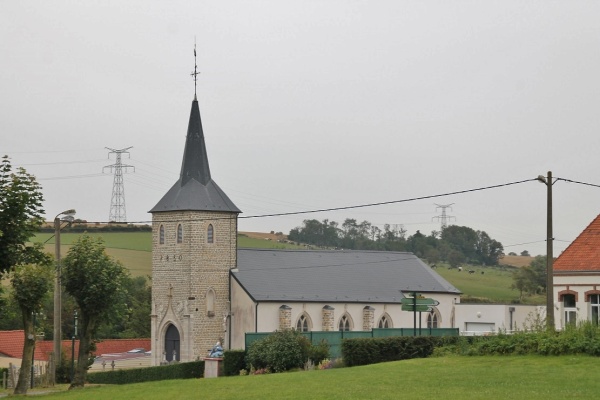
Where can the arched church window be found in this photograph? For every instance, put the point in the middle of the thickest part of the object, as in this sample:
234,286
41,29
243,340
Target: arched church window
385,322
433,319
210,234
303,324
210,303
161,235
179,233
345,323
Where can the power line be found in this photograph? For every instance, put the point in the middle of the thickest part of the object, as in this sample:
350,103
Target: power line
580,183
356,206
388,202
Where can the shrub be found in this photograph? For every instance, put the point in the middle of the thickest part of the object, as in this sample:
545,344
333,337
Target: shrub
376,350
281,351
583,339
319,352
194,369
233,362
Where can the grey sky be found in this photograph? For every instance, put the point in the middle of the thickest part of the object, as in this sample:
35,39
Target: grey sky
311,104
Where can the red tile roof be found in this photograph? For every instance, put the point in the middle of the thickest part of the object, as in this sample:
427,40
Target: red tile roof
583,254
11,345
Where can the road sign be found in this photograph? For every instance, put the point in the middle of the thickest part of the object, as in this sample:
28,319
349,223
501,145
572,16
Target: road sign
418,308
419,301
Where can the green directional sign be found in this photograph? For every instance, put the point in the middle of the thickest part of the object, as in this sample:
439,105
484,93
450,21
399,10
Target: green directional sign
418,308
419,301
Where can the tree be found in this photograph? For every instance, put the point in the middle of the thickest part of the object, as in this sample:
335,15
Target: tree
462,239
455,258
525,253
20,217
30,284
97,283
488,250
531,279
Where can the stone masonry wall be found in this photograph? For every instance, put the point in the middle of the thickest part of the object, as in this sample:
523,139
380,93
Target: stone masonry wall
184,273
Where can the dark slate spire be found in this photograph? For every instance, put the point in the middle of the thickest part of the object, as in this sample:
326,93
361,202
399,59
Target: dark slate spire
195,161
195,190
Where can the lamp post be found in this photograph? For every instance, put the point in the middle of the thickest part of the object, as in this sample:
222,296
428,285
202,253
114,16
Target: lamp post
549,253
73,348
63,216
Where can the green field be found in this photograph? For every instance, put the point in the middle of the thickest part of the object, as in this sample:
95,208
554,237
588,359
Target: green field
134,250
453,377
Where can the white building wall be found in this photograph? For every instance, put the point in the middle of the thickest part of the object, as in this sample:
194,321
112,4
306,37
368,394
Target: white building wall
477,319
579,284
268,313
243,315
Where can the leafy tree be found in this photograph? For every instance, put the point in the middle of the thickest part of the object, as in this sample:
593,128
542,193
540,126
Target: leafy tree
462,239
135,323
20,217
97,283
512,253
525,253
455,258
488,250
531,279
30,284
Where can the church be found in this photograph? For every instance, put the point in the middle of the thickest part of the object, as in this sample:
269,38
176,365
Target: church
206,290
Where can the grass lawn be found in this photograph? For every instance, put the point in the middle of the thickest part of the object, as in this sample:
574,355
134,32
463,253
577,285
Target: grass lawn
454,377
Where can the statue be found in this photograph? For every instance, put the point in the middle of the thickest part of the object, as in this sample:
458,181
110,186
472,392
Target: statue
217,350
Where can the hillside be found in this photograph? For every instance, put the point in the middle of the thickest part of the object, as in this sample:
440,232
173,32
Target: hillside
516,261
134,250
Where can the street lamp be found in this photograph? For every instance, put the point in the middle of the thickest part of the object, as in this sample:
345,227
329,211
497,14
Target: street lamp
73,348
549,254
60,217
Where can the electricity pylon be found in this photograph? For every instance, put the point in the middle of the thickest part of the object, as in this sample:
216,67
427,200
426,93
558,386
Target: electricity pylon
117,203
443,218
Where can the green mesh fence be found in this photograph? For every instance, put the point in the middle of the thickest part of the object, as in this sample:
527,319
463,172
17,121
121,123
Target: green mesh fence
334,338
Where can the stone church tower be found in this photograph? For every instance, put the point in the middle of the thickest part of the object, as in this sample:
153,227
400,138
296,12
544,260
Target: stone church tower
194,245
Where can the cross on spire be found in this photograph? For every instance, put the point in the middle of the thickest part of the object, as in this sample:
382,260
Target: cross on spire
195,73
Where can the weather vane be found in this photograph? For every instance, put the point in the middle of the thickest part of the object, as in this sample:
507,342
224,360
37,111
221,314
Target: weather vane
195,73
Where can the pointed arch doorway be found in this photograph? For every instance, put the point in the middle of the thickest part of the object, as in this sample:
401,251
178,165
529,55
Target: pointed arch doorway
172,350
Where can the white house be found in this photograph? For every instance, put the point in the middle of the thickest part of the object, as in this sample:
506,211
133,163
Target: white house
577,279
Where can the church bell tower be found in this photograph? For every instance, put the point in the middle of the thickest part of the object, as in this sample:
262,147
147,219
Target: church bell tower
194,245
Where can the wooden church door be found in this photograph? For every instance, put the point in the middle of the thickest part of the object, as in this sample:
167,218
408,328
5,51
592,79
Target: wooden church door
172,344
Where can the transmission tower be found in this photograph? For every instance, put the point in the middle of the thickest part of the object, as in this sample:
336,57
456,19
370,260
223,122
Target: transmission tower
443,218
117,202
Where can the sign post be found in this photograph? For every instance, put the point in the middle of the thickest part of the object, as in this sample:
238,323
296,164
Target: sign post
417,304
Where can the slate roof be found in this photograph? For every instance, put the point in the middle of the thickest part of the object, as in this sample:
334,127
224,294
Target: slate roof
195,190
583,254
335,276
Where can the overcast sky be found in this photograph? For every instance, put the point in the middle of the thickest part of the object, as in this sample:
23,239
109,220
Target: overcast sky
314,104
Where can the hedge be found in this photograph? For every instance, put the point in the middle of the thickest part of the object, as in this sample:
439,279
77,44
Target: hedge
233,362
375,350
194,369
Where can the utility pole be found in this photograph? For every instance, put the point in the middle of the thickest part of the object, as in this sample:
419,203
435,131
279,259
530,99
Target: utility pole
443,218
549,253
117,203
